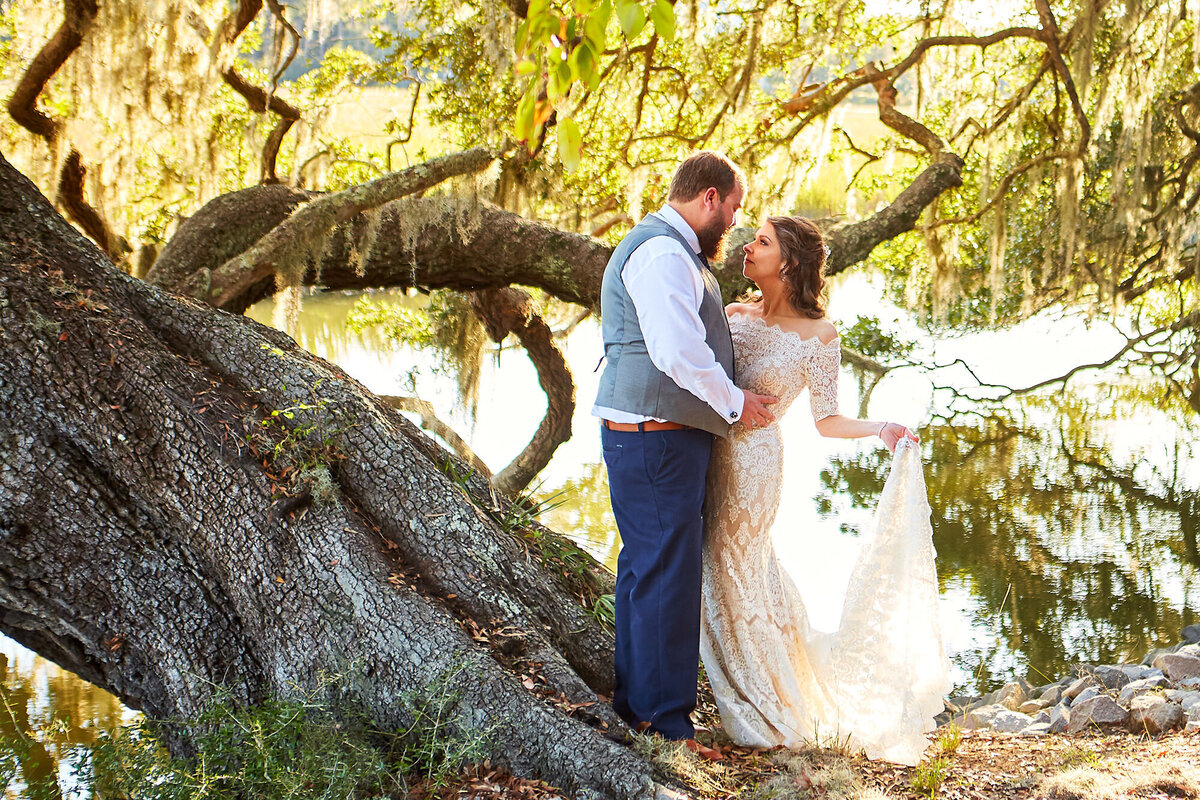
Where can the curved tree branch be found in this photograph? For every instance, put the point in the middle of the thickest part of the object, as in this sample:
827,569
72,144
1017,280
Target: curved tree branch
1049,35
259,100
510,310
78,18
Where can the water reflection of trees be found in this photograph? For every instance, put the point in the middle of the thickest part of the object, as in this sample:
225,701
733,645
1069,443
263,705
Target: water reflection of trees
1068,555
46,716
585,514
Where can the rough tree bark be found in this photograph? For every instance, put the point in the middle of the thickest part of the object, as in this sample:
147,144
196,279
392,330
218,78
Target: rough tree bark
163,532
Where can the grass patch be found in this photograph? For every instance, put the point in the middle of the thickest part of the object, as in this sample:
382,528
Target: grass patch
949,738
1079,756
928,776
811,773
674,759
1166,779
276,750
290,749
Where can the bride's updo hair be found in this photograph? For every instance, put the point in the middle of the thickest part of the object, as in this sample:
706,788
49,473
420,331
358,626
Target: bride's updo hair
803,252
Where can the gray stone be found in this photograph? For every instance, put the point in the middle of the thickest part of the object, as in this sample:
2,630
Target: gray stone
1042,716
1137,672
1154,714
1140,687
1051,697
1060,718
1193,724
1100,711
1153,655
1186,699
1072,691
1086,694
1010,722
1036,729
1111,678
982,717
1191,634
1031,707
1189,650
1178,666
1011,696
1188,683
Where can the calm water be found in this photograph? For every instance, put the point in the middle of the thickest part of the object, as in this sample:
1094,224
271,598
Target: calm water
1066,529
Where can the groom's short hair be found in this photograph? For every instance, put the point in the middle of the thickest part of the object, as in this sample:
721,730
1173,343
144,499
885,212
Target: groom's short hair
702,170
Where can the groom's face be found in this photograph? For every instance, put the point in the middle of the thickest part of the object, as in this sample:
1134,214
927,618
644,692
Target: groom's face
721,216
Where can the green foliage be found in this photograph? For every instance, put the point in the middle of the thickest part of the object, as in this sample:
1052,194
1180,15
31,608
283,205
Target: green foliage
446,326
300,443
281,749
433,745
949,738
604,610
867,337
928,776
291,748
1078,756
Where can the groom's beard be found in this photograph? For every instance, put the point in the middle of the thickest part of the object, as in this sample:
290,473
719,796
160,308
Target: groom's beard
712,240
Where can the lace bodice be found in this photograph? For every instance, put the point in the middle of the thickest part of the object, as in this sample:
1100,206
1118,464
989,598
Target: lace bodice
878,680
771,360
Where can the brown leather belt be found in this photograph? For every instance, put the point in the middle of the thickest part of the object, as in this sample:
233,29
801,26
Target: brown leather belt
648,425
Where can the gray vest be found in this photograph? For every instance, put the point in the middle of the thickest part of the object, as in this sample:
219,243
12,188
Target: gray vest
630,381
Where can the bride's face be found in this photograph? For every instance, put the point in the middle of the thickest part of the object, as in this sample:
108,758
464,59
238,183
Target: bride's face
763,259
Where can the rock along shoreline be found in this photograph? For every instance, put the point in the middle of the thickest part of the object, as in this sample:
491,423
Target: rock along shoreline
1160,694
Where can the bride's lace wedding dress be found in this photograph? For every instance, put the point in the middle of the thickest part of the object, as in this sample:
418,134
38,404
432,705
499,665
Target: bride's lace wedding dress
878,680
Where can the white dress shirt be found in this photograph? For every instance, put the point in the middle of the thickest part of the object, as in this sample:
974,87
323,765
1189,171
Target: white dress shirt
667,290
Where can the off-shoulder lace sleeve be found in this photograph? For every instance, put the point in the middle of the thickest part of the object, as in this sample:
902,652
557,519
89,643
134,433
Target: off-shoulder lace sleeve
823,368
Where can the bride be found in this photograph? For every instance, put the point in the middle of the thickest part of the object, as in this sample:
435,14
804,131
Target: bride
877,681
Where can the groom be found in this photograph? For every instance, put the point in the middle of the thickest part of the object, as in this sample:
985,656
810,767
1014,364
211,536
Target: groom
666,390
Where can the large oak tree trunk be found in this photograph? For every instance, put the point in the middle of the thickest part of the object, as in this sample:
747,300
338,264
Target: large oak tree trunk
163,531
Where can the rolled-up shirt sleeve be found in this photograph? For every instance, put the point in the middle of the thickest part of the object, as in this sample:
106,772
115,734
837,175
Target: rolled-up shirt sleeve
666,289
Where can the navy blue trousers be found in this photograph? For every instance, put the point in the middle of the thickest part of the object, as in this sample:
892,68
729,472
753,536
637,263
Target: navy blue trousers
656,482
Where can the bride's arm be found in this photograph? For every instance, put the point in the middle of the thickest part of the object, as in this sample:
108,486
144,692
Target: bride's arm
837,426
823,370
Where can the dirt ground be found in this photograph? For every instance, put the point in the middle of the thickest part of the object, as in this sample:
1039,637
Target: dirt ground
983,766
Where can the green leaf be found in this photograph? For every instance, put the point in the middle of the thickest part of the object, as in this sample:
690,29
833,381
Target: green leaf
583,63
570,144
596,26
560,81
632,18
524,67
522,37
524,127
663,16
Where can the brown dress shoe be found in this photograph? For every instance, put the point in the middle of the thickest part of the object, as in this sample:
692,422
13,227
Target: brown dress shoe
702,750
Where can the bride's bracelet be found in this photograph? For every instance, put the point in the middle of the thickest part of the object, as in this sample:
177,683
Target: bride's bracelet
881,427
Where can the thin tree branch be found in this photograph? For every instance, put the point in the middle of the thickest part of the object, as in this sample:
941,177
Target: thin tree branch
431,422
